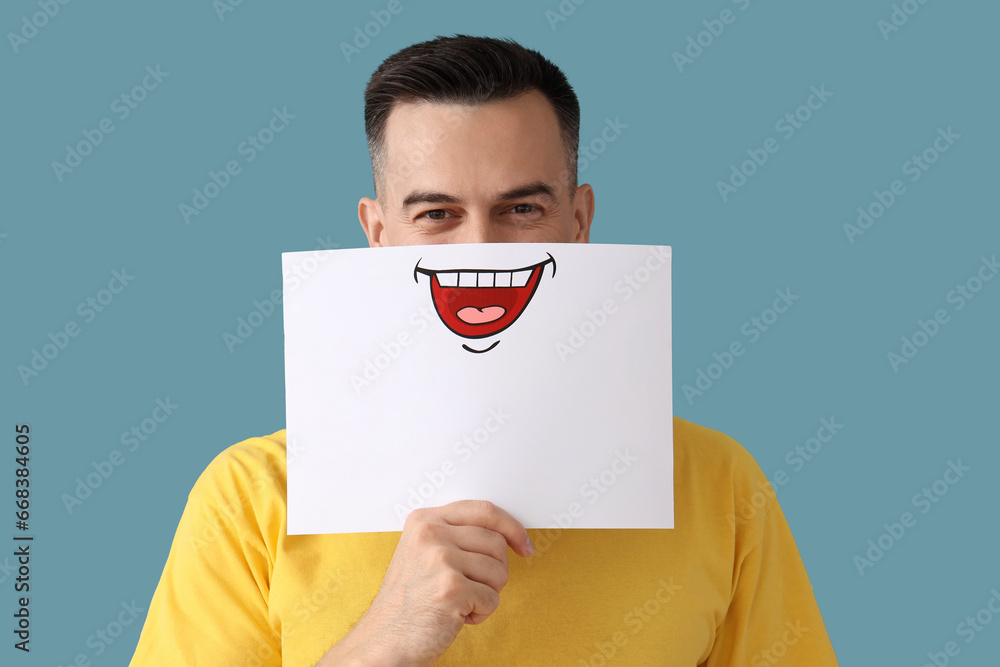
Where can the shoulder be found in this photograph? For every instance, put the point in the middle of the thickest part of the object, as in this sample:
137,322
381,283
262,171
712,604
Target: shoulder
710,451
250,474
717,479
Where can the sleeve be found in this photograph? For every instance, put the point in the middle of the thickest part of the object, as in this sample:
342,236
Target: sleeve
773,616
211,604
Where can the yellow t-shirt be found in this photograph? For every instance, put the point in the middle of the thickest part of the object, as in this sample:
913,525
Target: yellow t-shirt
725,587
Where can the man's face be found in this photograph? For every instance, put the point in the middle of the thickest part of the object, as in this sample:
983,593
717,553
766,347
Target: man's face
476,174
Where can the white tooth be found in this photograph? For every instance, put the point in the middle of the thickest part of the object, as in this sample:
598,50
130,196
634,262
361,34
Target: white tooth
466,279
485,280
502,280
448,279
520,278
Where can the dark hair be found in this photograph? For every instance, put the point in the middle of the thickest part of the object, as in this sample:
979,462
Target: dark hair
467,70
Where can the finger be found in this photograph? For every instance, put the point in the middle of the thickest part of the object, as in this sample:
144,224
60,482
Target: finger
478,540
485,514
483,601
478,568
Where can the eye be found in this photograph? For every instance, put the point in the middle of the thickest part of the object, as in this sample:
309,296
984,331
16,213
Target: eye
436,214
524,209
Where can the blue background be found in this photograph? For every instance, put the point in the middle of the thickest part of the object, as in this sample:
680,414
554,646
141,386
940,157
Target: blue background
162,336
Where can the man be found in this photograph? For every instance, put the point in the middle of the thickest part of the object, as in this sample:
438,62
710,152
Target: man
474,140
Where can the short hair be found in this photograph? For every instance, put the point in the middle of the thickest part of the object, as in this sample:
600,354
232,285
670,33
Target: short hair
471,71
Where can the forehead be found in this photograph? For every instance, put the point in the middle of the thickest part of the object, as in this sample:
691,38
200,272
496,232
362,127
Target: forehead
473,149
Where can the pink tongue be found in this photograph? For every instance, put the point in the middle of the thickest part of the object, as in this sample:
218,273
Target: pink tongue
471,315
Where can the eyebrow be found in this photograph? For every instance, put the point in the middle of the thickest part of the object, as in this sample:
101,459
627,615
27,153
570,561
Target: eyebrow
537,188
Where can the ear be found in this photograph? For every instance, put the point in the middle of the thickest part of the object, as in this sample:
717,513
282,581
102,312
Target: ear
370,216
583,213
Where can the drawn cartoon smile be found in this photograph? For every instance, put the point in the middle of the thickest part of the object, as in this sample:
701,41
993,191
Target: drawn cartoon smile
476,303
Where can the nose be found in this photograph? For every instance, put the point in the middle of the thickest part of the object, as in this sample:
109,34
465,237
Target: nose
478,227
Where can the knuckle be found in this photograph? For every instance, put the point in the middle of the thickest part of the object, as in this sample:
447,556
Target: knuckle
424,532
484,507
502,575
439,558
499,544
452,585
415,517
490,601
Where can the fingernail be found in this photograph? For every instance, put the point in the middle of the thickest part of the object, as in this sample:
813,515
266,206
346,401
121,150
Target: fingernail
531,546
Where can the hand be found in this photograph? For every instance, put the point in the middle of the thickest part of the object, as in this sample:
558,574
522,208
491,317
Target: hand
447,572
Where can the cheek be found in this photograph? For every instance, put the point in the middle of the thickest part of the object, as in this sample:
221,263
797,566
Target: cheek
412,236
549,231
397,232
563,227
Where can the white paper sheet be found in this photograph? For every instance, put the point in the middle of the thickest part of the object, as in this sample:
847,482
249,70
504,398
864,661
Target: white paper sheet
552,400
